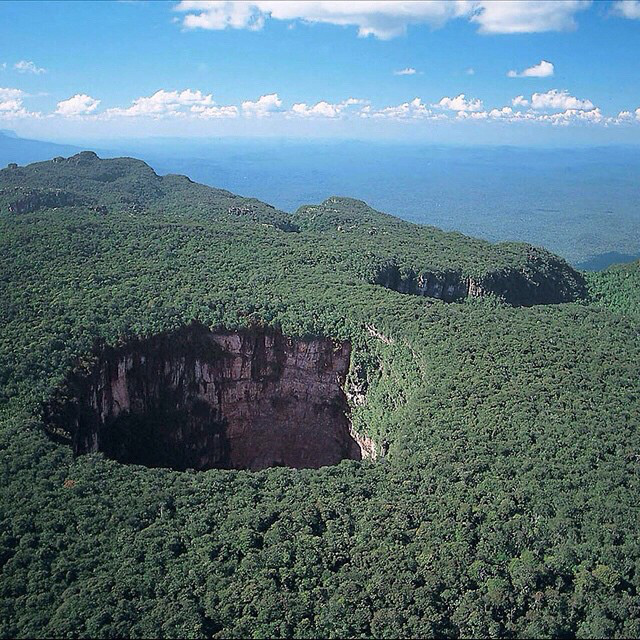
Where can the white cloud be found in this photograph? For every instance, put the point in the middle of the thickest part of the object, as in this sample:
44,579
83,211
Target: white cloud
11,105
78,105
470,71
386,19
222,15
164,104
11,94
460,103
526,16
3,66
594,116
505,112
407,71
555,99
262,107
413,110
214,112
472,115
27,66
323,109
626,117
520,101
383,19
562,118
543,69
627,9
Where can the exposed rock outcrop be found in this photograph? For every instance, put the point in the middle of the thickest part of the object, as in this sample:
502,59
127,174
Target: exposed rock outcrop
540,281
199,399
20,200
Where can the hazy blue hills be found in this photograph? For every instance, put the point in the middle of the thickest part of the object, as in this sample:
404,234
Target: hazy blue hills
23,151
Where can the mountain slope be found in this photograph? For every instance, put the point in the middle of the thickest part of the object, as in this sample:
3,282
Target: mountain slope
617,288
125,184
380,248
427,261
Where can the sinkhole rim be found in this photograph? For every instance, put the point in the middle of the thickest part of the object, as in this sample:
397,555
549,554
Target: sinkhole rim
238,399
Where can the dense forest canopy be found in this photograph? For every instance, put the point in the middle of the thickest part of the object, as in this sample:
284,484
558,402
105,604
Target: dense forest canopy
503,501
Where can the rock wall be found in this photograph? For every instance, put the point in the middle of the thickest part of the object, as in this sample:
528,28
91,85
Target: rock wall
197,399
536,283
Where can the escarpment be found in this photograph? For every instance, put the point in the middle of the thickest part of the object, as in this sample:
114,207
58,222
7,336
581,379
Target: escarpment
552,283
199,399
427,261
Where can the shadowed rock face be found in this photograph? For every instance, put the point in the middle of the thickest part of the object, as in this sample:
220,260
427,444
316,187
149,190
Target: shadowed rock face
532,285
198,399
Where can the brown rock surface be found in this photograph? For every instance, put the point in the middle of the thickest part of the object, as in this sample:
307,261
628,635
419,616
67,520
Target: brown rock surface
198,399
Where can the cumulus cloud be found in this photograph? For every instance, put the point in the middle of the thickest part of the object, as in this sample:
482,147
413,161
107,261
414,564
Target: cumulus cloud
460,103
222,15
11,105
407,71
210,113
627,9
385,19
561,118
79,105
11,94
472,115
505,112
27,66
323,109
263,106
564,118
555,99
526,16
164,104
414,110
543,69
520,101
627,117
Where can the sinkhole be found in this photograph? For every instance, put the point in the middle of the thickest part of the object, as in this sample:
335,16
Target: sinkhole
202,399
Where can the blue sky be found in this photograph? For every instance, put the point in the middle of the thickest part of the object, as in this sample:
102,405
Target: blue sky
473,70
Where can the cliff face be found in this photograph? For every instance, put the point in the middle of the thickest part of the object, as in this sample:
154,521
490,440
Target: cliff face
20,200
537,282
197,399
448,286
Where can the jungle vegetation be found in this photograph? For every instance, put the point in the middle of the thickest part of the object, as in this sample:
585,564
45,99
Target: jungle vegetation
506,501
